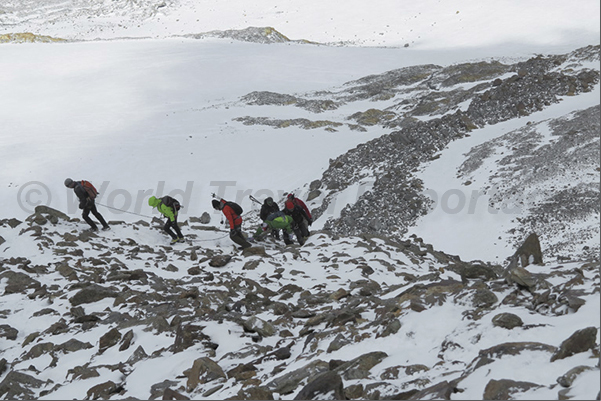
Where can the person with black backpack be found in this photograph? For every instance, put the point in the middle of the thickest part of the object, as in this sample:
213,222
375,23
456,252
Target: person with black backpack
233,213
268,207
168,207
86,193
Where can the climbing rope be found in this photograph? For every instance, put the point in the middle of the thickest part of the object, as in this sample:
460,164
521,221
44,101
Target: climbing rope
125,211
151,217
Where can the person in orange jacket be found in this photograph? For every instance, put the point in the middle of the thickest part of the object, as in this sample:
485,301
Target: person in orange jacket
235,220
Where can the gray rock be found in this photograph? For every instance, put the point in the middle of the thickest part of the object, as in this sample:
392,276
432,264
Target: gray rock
18,282
359,367
326,384
338,342
518,275
254,393
205,218
581,341
260,326
50,212
39,350
13,222
288,382
73,345
126,341
18,386
530,251
507,321
104,390
204,370
220,260
159,390
188,335
489,355
439,391
506,389
108,340
92,293
568,378
83,372
8,332
484,298
138,355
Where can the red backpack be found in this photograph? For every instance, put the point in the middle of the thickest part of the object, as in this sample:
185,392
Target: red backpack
90,189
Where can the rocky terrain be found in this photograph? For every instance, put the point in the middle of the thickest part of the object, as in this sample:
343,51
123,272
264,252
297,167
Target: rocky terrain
429,106
361,310
118,315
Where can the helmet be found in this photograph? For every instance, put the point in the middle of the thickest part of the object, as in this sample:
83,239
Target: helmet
289,205
290,196
268,201
216,204
68,182
264,226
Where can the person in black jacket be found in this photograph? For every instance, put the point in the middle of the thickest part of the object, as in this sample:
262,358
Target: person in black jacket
87,204
268,207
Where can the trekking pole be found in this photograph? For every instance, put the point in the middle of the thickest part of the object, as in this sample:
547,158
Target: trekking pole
252,198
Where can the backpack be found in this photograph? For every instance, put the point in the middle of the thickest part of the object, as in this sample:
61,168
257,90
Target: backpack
275,215
235,207
170,202
89,188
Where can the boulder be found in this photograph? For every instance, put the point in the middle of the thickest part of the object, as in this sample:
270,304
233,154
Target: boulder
104,390
327,384
108,340
359,367
52,214
529,252
204,370
92,293
506,389
260,326
580,341
18,386
507,321
8,332
220,260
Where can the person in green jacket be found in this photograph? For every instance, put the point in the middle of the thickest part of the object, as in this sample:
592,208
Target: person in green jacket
279,221
168,207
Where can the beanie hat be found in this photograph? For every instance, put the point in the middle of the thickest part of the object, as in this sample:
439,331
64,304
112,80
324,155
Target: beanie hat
68,182
216,204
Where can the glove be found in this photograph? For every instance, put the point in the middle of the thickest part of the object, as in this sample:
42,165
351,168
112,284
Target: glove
310,221
81,206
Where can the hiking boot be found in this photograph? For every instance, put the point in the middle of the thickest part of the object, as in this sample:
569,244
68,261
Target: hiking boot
106,228
182,239
174,241
92,229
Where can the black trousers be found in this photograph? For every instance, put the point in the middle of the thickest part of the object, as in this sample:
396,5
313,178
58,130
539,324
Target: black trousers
238,238
173,224
91,207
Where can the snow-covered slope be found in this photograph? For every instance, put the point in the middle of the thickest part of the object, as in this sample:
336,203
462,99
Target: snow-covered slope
121,315
190,98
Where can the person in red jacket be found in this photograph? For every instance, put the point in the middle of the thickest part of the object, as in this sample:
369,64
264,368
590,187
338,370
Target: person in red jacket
300,213
235,221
